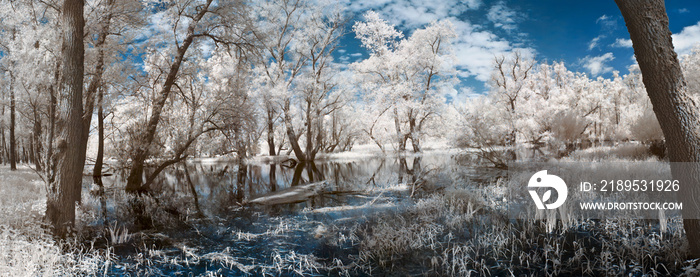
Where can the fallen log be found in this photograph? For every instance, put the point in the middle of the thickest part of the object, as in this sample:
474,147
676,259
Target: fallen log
290,195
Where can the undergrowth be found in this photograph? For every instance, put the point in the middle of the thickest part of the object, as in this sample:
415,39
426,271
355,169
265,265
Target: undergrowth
26,247
458,233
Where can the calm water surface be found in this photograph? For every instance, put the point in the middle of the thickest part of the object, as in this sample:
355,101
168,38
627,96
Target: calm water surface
257,212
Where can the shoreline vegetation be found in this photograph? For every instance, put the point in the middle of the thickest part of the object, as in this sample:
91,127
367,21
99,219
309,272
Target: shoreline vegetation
458,230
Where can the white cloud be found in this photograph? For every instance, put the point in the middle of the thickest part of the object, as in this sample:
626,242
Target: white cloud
597,64
474,47
606,21
688,38
207,47
502,16
683,10
683,42
158,23
414,13
356,55
475,50
622,43
460,95
594,42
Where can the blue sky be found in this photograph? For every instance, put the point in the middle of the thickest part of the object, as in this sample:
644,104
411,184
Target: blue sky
589,36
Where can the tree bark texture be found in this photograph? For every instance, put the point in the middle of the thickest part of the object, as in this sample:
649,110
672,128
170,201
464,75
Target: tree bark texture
70,149
647,23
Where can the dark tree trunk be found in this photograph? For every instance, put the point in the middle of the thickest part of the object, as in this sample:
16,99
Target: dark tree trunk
70,150
36,141
273,177
309,131
415,141
30,155
13,142
3,151
25,153
95,85
319,136
647,23
270,131
293,139
50,161
241,177
97,170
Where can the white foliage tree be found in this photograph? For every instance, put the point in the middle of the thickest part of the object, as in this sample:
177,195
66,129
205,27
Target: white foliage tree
405,79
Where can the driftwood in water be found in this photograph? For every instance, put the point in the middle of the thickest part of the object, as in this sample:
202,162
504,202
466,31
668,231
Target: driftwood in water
290,195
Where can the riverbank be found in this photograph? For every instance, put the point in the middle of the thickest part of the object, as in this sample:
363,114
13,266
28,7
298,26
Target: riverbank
439,213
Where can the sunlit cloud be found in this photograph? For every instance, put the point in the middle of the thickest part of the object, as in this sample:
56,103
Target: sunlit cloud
597,65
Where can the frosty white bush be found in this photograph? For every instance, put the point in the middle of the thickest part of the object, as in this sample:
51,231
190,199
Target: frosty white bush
646,127
547,103
568,126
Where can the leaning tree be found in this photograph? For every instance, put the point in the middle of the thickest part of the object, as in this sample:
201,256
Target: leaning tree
678,115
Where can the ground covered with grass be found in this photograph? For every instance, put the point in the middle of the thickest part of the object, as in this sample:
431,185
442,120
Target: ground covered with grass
459,234
443,231
26,247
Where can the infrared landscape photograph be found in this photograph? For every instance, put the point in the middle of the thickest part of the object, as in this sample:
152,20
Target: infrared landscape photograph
349,138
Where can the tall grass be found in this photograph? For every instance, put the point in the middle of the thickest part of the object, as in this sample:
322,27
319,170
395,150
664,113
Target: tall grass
457,233
26,248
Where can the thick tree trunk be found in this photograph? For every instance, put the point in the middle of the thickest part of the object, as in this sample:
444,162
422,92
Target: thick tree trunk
96,81
135,178
647,23
60,206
